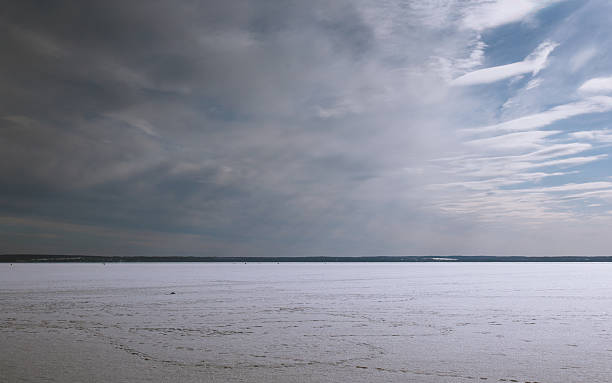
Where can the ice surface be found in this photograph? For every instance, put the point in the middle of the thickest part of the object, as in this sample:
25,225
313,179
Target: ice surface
314,322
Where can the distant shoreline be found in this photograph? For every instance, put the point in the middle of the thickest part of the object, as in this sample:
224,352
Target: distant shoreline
60,258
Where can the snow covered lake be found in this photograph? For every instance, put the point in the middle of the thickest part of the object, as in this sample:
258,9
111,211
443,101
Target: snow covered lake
306,322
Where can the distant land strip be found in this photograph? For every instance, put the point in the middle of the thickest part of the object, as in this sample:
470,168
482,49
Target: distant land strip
59,258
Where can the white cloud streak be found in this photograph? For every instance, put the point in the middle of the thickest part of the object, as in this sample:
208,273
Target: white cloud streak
520,140
533,64
596,104
573,187
597,85
603,136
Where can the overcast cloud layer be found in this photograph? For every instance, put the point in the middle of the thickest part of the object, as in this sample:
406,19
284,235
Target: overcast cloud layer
306,128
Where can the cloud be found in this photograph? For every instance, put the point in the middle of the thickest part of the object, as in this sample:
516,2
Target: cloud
513,174
574,187
582,57
602,135
253,125
572,161
494,13
533,64
596,104
533,83
597,85
520,140
294,128
138,123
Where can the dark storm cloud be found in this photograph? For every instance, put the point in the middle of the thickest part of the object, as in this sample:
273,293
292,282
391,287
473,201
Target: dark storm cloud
219,127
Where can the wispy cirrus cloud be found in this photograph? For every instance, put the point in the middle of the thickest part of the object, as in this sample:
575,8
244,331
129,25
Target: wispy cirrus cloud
484,14
597,135
540,163
533,64
570,187
597,85
596,104
519,140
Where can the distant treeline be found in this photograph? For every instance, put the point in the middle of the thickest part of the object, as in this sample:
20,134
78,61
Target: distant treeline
16,258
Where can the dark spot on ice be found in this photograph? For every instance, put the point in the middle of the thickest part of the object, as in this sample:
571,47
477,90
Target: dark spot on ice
172,293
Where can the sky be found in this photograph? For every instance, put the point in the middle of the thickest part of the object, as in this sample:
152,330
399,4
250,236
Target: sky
296,128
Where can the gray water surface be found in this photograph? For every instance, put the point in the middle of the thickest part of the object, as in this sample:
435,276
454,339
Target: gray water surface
306,322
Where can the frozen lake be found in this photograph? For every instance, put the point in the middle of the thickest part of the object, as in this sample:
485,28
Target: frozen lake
306,322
